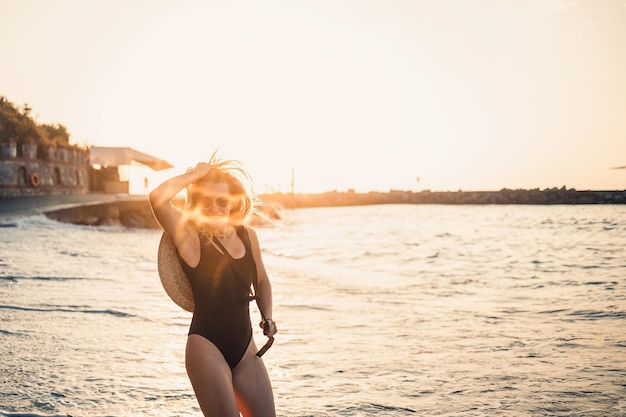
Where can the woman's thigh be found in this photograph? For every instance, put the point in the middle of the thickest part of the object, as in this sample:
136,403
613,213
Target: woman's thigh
252,386
210,377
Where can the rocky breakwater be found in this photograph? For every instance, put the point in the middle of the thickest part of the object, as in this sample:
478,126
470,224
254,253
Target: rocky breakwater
505,196
135,213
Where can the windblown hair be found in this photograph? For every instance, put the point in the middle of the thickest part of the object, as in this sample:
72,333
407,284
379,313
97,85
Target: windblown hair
240,186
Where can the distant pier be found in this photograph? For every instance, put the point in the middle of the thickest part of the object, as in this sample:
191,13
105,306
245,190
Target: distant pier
504,196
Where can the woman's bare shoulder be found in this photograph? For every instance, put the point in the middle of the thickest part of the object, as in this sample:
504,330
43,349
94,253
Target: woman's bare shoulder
254,239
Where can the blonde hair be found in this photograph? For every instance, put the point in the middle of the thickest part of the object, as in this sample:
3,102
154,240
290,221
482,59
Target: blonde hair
240,186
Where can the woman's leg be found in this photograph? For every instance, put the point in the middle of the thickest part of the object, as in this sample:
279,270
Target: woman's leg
210,377
252,386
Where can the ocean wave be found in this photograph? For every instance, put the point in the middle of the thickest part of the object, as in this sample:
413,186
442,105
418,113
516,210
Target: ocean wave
598,314
67,309
5,414
378,409
32,221
16,278
587,314
306,307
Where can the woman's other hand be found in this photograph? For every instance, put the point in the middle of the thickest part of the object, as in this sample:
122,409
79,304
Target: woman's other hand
269,327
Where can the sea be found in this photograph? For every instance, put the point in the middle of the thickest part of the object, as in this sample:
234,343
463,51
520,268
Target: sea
383,310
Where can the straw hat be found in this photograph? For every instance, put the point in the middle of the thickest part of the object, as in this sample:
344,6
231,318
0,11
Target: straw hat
173,278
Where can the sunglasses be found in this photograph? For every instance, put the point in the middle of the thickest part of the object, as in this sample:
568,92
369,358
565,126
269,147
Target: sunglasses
221,202
265,347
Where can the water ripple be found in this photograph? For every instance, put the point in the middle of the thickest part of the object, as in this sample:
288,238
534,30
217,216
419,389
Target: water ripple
67,309
596,315
16,278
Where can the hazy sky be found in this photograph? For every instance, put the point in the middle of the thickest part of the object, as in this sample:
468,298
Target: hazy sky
370,95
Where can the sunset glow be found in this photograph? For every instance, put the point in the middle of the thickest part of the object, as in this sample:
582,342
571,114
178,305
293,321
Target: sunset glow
414,95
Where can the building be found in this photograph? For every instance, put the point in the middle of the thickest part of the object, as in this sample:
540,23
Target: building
106,162
66,170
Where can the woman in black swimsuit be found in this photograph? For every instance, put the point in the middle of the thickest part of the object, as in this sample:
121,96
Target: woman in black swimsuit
220,255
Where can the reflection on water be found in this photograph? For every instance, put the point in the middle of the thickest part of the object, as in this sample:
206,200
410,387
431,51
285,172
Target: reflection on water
382,310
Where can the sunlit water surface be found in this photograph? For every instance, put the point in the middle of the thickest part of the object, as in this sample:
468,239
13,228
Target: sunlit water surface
391,310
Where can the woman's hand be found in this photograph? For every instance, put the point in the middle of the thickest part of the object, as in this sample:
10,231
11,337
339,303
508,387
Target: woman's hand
269,327
201,169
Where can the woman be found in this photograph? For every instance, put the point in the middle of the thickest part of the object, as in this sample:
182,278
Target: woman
221,257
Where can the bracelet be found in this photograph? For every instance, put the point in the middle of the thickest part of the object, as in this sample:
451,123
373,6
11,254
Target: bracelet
262,323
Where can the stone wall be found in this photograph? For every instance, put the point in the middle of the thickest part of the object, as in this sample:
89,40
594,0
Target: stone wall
61,171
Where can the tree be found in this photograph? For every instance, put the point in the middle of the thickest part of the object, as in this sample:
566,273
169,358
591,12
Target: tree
17,125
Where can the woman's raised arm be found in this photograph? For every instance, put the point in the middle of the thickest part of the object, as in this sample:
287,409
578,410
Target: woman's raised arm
167,215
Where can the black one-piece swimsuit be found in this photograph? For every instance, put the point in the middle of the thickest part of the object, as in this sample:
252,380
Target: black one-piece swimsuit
221,296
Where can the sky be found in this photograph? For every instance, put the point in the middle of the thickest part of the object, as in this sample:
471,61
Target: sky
366,95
